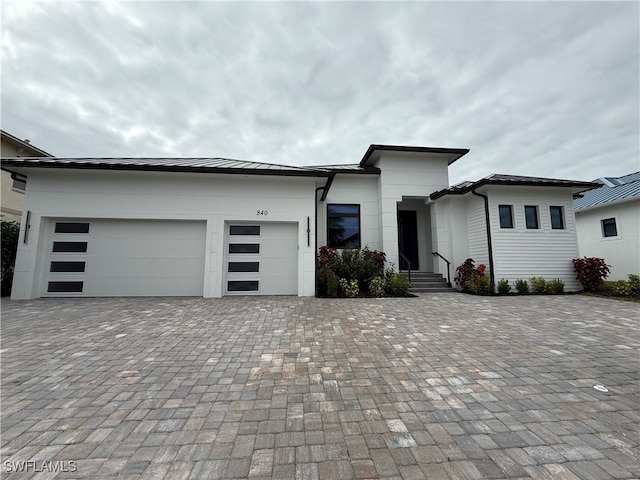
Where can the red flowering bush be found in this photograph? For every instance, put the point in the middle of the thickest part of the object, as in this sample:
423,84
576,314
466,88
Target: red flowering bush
472,279
591,272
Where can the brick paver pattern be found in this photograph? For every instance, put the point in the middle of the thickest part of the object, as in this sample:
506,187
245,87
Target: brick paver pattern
441,386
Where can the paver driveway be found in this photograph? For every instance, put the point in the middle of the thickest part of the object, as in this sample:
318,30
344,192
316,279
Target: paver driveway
439,386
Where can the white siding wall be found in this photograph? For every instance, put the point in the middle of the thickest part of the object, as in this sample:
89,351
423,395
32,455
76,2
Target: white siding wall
155,195
521,253
622,252
477,231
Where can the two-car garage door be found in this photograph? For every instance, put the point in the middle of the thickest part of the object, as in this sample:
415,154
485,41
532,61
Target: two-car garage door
104,257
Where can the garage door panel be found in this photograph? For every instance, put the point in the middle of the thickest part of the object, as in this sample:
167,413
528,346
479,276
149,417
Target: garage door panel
278,264
129,257
137,247
106,265
140,285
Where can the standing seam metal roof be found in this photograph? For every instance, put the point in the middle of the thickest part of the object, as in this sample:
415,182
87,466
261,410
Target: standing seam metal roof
624,188
206,165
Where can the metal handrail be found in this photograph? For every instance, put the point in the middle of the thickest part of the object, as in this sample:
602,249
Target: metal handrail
448,267
408,265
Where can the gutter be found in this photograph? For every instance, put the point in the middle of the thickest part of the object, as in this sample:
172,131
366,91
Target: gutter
325,191
492,278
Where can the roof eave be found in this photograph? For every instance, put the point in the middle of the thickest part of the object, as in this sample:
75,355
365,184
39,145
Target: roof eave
457,152
161,168
580,186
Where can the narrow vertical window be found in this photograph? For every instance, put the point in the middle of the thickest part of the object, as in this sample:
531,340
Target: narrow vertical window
531,217
343,226
557,217
609,228
506,216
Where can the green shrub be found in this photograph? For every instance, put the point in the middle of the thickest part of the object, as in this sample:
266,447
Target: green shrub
10,233
634,284
350,288
621,288
376,287
361,265
538,285
504,287
522,286
555,286
591,272
478,285
395,284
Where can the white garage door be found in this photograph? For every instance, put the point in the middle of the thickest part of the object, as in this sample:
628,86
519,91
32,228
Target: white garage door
261,259
125,258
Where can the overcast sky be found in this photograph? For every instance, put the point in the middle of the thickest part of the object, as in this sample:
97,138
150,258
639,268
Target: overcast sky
544,89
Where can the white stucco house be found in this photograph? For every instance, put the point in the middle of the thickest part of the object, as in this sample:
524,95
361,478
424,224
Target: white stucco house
213,227
608,224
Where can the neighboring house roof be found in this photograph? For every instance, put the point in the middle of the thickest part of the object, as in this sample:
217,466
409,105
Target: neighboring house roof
24,144
500,179
373,151
198,165
612,190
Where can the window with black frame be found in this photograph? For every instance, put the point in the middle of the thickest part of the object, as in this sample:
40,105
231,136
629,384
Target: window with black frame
556,214
343,226
505,212
609,227
531,217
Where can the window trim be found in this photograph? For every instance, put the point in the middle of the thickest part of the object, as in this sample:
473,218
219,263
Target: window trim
357,215
562,217
613,222
511,223
537,217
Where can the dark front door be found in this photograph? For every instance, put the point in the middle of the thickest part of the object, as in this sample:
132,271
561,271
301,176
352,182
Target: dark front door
408,238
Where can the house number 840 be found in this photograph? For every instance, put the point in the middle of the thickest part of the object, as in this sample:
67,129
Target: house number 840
263,212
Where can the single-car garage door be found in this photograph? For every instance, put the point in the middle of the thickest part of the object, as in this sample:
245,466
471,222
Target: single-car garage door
99,257
261,259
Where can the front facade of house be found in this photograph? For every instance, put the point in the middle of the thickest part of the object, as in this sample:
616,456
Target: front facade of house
608,224
216,227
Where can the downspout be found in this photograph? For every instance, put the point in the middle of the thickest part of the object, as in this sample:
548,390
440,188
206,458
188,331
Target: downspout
489,242
325,190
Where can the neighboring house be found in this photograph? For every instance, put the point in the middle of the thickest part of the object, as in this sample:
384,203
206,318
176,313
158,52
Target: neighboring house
212,227
608,224
13,186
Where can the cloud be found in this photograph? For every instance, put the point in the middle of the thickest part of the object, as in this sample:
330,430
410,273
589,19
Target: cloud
547,89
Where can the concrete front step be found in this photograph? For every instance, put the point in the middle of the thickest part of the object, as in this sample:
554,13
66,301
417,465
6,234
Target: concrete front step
427,282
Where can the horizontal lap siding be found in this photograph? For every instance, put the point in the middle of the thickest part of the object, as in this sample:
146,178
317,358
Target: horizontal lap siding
477,231
520,253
